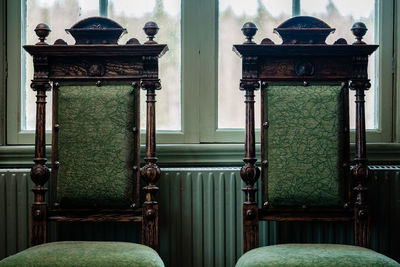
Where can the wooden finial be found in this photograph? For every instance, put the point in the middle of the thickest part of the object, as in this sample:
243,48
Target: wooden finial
359,29
132,41
249,29
150,29
42,31
267,41
60,42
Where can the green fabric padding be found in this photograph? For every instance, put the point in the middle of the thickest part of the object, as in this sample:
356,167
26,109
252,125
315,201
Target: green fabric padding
303,145
86,253
96,145
314,255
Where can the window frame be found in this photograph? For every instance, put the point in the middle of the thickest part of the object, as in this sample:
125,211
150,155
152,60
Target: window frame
396,71
199,77
3,73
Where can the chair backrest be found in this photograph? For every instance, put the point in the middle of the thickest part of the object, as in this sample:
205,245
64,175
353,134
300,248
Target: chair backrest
304,145
96,130
96,145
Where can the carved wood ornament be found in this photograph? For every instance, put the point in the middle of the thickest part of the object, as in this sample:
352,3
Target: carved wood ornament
96,57
304,58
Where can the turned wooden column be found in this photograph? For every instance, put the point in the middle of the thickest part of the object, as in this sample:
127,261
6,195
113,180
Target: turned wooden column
150,172
250,172
359,83
40,173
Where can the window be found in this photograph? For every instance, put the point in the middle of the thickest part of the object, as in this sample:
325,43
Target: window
200,101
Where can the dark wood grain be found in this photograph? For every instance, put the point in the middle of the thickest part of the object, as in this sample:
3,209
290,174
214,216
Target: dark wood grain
306,214
72,68
90,215
325,68
294,50
156,50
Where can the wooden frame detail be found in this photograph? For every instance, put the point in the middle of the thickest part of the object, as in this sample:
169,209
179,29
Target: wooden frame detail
304,57
96,57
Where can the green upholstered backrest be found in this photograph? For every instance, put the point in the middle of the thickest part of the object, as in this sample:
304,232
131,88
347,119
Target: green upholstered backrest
303,145
95,145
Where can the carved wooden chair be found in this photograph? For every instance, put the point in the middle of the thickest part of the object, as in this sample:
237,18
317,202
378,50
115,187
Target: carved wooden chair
305,141
95,162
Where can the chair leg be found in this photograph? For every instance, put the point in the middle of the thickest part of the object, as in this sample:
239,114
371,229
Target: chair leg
360,83
150,236
362,227
38,224
250,227
250,172
40,173
150,172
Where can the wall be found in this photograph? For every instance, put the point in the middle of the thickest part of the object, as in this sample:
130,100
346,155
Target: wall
200,218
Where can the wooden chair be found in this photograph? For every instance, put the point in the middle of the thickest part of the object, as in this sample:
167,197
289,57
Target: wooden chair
95,164
305,141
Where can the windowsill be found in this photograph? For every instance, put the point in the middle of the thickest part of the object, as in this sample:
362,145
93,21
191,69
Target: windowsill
176,155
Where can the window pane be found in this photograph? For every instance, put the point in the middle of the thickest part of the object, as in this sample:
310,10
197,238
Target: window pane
133,15
59,15
341,14
267,14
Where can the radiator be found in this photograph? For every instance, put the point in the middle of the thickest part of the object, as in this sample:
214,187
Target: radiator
200,217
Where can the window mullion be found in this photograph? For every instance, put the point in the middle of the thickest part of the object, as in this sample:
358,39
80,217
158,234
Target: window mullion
385,86
396,92
14,53
103,8
209,70
190,69
3,67
295,8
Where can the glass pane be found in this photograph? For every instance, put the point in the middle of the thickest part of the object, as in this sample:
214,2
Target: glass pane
341,14
59,15
133,15
267,14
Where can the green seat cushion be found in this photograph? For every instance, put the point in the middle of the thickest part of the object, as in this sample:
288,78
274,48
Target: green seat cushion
96,146
303,145
314,255
86,253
